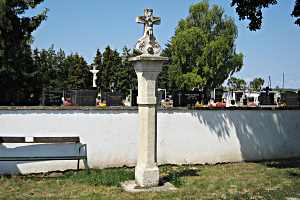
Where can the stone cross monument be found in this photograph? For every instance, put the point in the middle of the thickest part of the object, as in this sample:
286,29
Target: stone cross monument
147,67
148,44
94,72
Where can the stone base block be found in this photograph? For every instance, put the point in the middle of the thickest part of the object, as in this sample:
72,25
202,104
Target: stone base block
131,186
147,177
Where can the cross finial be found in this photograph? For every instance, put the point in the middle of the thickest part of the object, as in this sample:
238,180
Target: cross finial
148,44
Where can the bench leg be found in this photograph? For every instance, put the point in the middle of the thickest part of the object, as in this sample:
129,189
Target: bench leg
78,162
86,166
85,159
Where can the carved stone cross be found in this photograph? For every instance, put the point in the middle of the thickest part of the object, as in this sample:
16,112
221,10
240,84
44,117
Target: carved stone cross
94,72
148,44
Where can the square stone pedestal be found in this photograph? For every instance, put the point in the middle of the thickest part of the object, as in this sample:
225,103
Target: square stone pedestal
131,186
147,177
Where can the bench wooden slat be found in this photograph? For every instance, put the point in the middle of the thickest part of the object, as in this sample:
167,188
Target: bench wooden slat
56,140
12,139
40,140
42,158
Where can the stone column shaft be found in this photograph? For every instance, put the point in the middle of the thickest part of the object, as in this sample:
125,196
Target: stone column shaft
147,69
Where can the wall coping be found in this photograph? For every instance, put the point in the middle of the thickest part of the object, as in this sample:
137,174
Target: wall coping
123,108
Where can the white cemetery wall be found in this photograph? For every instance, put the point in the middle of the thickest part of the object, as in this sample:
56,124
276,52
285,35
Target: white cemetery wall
184,136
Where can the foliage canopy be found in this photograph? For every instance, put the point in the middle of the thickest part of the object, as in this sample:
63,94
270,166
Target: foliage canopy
257,84
17,72
252,10
202,52
236,83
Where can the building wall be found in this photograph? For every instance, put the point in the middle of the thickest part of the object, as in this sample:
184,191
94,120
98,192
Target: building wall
184,136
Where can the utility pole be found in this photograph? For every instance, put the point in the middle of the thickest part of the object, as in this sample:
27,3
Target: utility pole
283,80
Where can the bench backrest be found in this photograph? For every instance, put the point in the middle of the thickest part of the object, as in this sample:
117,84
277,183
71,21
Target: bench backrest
39,140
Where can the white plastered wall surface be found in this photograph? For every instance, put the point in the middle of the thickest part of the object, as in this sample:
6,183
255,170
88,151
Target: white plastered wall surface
184,136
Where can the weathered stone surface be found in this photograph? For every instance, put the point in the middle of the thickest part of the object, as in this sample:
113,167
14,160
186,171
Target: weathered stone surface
131,186
146,176
148,44
147,69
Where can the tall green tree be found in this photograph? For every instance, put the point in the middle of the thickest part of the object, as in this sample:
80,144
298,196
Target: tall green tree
203,49
163,79
107,69
257,84
115,72
17,72
56,71
79,76
118,72
124,76
97,63
236,83
52,72
129,78
252,10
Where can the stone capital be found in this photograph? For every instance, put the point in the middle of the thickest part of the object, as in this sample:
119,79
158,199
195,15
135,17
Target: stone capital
146,63
146,57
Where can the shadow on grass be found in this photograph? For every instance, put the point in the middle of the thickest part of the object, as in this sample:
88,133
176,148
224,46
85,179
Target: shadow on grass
294,174
95,177
283,164
175,176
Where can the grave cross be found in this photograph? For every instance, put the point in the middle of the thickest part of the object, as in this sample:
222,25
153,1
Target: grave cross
94,72
148,20
148,44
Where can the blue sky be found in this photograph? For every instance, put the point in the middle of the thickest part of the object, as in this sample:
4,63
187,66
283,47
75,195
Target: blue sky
84,26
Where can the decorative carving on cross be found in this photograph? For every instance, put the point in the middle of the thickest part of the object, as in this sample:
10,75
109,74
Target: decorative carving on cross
148,44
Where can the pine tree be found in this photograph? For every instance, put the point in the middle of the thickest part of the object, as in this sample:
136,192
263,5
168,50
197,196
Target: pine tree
98,65
79,76
17,72
126,74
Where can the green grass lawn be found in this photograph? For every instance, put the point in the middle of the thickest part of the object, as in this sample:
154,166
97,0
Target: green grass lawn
267,180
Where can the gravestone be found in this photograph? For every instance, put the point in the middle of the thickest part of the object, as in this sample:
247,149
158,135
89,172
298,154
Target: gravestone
114,99
290,99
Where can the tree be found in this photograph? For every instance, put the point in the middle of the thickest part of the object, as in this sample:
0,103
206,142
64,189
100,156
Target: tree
97,63
17,72
252,10
115,72
296,12
79,76
257,84
236,83
118,73
56,71
107,69
52,72
128,78
202,52
163,77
